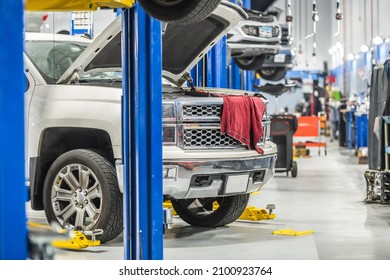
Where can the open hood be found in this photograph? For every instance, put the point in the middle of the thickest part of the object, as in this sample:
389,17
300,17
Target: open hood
183,45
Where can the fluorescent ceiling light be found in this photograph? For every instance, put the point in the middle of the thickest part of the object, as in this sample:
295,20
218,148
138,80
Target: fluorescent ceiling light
350,56
377,40
364,48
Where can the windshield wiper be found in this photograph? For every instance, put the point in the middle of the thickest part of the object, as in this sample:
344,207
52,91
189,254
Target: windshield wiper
100,81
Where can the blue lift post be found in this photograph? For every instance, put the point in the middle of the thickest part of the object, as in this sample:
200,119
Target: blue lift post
142,136
197,74
235,76
216,65
13,232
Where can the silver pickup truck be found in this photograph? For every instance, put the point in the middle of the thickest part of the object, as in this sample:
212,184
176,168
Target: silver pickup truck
73,106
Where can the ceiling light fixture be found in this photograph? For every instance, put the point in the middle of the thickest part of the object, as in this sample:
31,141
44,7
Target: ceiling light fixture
377,40
350,56
364,48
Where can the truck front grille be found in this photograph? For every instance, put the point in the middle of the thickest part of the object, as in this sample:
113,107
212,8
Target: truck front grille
199,127
201,111
208,138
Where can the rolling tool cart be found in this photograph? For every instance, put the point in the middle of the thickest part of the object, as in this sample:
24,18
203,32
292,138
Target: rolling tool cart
283,128
378,180
350,128
361,134
342,126
309,128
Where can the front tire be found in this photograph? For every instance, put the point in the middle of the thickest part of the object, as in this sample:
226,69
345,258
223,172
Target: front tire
81,193
179,11
200,212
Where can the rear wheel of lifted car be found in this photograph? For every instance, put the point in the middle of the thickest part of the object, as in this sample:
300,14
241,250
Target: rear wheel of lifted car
249,62
211,212
272,73
179,11
81,193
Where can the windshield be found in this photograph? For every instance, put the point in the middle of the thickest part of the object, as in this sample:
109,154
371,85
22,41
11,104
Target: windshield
104,75
53,58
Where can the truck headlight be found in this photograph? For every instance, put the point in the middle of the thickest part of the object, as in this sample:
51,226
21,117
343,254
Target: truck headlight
250,30
169,134
169,123
168,111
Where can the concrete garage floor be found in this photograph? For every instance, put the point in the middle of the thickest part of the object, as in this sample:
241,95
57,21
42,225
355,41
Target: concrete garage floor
327,197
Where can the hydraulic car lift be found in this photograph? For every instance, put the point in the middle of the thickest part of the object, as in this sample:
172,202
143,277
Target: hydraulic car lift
251,213
63,239
289,231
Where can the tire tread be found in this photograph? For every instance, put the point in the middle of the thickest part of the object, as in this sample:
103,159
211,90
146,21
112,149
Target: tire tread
114,222
230,210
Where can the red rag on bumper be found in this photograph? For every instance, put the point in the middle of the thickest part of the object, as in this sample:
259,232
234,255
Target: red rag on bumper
242,119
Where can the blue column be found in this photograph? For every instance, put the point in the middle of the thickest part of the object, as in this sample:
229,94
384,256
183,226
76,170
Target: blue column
200,79
234,76
13,233
142,136
249,78
194,74
246,4
197,74
216,65
246,80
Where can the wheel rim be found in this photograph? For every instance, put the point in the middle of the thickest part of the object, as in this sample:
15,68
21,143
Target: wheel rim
167,3
202,207
267,71
76,197
246,60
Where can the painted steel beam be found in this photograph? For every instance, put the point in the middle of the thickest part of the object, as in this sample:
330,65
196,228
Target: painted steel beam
142,136
216,65
235,80
197,73
13,193
246,4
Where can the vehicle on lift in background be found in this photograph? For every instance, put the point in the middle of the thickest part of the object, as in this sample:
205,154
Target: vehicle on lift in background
173,11
179,11
73,106
274,66
260,44
254,38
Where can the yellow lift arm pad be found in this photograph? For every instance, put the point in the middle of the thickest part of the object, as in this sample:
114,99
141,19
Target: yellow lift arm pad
75,5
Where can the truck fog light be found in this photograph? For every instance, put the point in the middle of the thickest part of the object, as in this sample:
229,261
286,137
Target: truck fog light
258,177
170,173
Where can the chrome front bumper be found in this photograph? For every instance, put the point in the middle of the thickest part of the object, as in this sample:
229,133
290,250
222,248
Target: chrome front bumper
212,178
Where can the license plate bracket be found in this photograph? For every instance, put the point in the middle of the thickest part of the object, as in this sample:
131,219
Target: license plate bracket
279,58
265,31
236,183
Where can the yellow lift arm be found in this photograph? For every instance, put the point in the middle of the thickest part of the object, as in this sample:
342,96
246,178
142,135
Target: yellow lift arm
75,5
